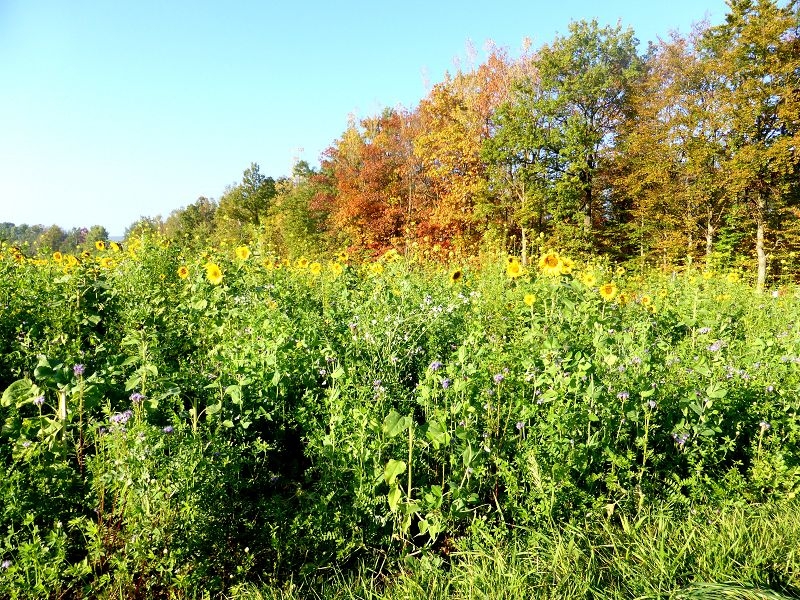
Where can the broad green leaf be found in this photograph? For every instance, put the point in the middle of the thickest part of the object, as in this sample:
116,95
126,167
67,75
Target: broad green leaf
395,424
393,469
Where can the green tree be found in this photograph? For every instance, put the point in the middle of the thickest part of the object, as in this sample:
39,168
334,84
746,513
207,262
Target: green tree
195,221
52,239
754,55
248,202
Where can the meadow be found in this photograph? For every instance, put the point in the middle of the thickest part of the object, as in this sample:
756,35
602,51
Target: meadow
183,423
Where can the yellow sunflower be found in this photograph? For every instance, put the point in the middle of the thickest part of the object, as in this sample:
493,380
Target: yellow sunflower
336,269
183,271
106,262
213,273
646,300
342,257
376,268
100,245
608,291
115,247
315,269
58,257
301,263
529,299
550,264
588,279
456,276
242,252
514,269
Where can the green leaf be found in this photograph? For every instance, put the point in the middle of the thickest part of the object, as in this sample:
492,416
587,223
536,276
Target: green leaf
394,496
395,424
18,393
437,433
235,392
393,469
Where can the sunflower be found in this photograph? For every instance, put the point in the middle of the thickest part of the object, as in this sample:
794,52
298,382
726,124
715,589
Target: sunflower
85,255
315,269
456,276
213,273
567,264
71,260
242,252
550,264
301,263
608,291
58,257
732,277
183,272
100,245
115,247
342,257
529,299
646,300
376,268
514,269
106,262
588,279
336,269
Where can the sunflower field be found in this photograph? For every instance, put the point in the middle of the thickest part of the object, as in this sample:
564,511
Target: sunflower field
179,423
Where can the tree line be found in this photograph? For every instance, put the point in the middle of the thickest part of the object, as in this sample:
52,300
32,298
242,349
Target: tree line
684,153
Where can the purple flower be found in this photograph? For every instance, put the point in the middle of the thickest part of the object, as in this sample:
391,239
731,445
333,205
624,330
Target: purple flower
651,404
498,378
5,564
446,383
121,418
704,330
136,397
520,425
770,388
716,346
680,438
168,429
78,370
623,395
38,401
764,425
435,365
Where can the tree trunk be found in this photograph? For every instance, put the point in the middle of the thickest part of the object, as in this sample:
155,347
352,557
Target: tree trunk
709,241
524,247
761,209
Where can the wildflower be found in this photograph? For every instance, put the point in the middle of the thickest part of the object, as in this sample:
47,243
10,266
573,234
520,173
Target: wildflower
764,425
342,256
588,279
715,347
514,269
301,263
136,397
456,276
38,401
242,252
435,365
376,268
498,378
213,274
336,269
529,299
121,418
646,300
520,425
623,395
183,272
680,438
732,277
608,291
567,264
770,388
107,262
652,404
704,330
315,269
78,370
100,245
550,264
5,564
115,246
168,429
445,383
58,257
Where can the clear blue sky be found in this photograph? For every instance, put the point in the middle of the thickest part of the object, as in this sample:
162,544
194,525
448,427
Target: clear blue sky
110,110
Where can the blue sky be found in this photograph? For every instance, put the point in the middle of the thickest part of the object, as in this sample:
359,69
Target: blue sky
113,110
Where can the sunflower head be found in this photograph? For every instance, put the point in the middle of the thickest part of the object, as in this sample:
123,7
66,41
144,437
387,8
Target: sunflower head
242,252
608,291
456,276
315,269
100,245
336,269
183,272
57,256
529,299
550,264
514,269
213,274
